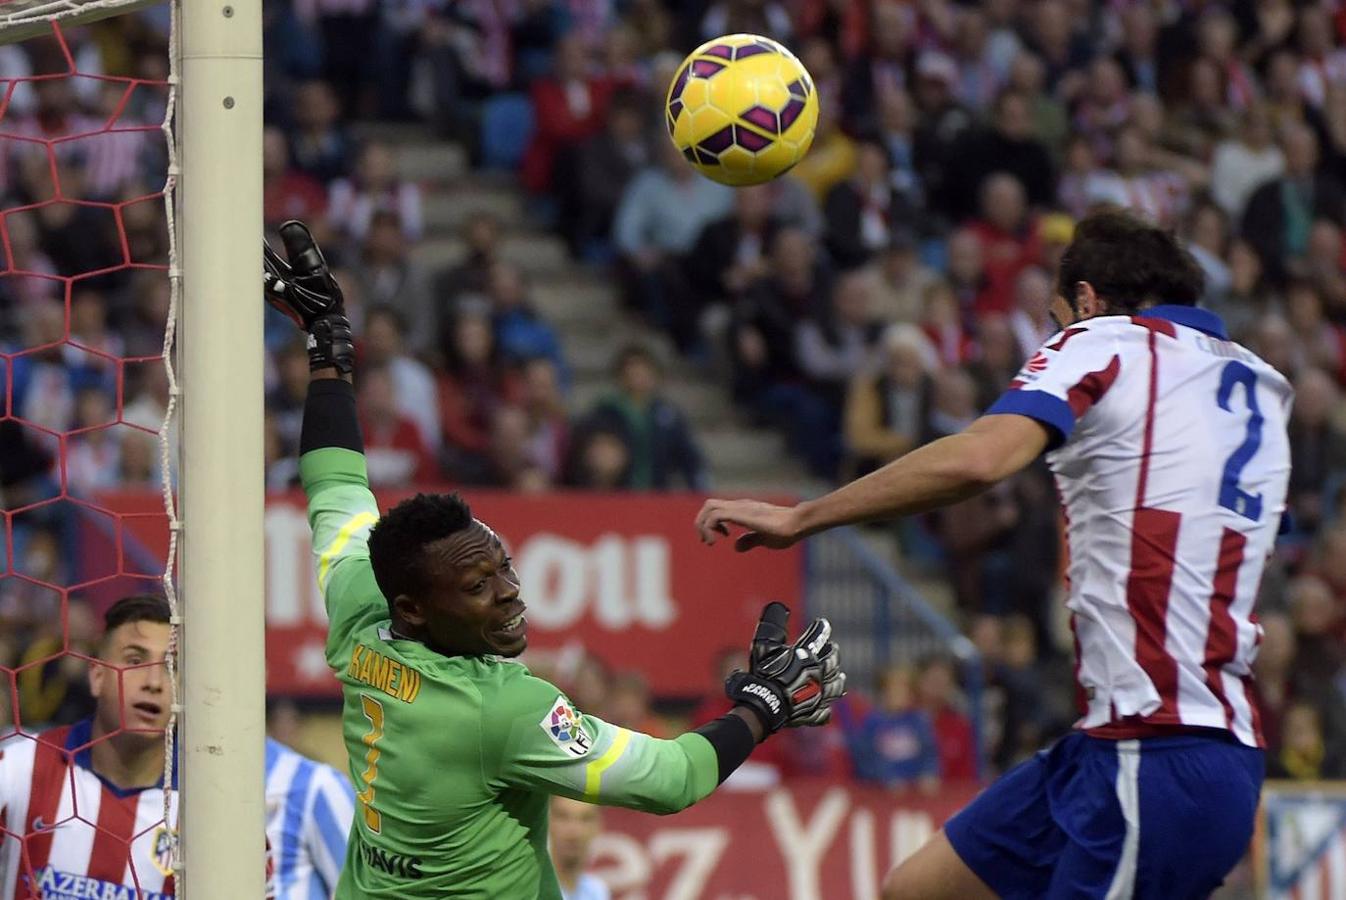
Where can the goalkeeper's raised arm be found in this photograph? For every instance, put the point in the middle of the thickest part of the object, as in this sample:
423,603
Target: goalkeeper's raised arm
453,748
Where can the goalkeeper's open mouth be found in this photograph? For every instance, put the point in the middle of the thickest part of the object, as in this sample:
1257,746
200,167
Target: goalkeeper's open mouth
513,629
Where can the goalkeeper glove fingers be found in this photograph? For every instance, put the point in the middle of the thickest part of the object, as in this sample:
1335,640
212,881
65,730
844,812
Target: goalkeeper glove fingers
789,685
304,290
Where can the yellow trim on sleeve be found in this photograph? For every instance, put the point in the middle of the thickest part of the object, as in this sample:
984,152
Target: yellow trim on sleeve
593,773
343,537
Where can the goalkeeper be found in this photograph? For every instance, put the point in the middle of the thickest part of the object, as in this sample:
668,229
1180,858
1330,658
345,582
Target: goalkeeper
454,750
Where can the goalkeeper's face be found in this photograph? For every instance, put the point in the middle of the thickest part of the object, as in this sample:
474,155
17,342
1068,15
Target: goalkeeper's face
130,681
472,607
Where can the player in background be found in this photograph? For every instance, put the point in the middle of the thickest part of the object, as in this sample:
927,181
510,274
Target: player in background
1168,443
455,749
108,768
309,807
574,825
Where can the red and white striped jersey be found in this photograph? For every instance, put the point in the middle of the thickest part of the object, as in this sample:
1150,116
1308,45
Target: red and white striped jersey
1172,462
69,835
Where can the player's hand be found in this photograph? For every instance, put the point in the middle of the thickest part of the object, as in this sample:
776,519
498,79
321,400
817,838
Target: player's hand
789,685
302,288
768,525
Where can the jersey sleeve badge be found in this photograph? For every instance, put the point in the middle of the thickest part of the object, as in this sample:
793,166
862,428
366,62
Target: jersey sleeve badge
565,729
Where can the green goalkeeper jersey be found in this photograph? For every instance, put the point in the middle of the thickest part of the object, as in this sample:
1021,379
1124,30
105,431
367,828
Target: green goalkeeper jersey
454,758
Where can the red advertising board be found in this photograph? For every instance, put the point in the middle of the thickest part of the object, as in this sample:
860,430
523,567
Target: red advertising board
805,841
623,576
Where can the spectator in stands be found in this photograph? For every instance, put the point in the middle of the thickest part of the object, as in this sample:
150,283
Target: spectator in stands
520,332
1305,754
899,279
396,454
1159,194
1329,563
1031,318
660,446
943,122
287,193
766,17
1009,238
1063,47
600,459
937,694
511,465
837,341
886,410
93,457
547,423
997,361
1137,53
1028,77
897,746
573,826
473,385
662,211
569,106
730,254
375,188
1244,162
830,160
414,388
1280,213
941,320
884,62
285,400
387,275
319,145
1008,146
1322,343
593,175
862,211
629,705
481,235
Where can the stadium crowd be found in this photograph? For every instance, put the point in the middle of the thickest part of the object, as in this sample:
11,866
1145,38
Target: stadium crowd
879,296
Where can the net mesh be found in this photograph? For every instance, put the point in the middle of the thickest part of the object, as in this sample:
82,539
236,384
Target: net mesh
89,291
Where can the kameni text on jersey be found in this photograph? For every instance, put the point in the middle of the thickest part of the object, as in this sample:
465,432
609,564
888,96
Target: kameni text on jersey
387,675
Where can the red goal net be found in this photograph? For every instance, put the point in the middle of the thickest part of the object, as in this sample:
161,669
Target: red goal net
87,305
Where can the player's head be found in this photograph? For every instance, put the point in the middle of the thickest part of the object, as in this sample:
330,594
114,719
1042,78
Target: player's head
130,683
574,825
447,578
1118,264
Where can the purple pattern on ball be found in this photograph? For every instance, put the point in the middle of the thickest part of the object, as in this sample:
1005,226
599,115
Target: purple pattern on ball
796,88
675,110
763,118
707,159
808,84
724,51
750,140
790,113
689,153
751,50
679,83
718,142
705,68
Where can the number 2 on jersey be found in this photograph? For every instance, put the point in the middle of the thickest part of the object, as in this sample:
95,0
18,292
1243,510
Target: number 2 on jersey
373,711
1231,495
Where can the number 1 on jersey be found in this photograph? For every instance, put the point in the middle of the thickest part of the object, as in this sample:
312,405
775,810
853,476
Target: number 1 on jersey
373,711
1231,495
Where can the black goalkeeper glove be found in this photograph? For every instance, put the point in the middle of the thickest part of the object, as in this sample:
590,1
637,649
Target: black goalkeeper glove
305,290
788,685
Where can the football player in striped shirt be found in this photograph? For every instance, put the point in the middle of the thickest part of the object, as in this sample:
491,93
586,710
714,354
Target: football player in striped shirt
1169,447
308,819
454,747
82,806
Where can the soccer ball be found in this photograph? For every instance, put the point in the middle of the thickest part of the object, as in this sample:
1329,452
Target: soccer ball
742,109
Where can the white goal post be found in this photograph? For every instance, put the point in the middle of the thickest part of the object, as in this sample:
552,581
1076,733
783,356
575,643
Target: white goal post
214,205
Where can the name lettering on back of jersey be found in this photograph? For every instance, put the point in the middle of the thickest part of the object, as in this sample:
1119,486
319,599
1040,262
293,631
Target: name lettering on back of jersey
565,728
1223,349
383,674
390,863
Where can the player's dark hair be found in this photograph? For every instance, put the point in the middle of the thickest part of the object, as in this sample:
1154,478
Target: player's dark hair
397,541
1130,263
136,608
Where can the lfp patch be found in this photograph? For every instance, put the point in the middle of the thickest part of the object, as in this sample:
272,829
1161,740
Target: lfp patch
562,724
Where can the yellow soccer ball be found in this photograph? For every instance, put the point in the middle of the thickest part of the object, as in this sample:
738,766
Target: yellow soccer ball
742,109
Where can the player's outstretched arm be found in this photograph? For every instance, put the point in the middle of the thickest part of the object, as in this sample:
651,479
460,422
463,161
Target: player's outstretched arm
940,473
544,744
331,462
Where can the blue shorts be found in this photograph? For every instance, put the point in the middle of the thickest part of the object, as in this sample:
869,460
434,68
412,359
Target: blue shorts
1164,817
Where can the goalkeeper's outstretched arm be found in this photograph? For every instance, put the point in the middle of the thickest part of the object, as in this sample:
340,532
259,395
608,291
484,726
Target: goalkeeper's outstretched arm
341,508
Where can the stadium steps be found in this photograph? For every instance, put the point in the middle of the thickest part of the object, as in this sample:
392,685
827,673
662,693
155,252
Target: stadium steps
584,307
